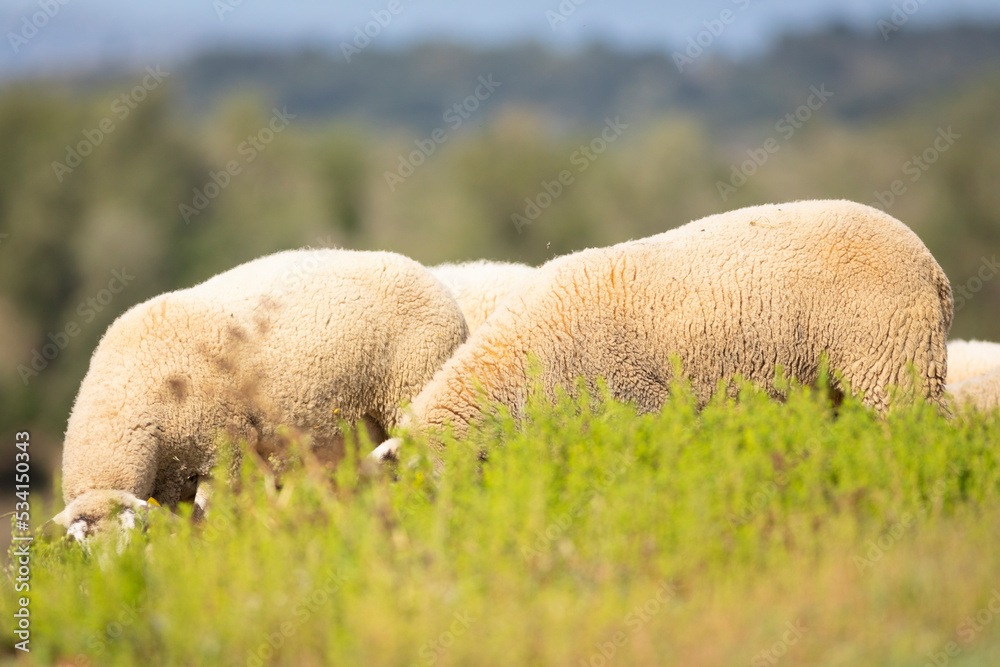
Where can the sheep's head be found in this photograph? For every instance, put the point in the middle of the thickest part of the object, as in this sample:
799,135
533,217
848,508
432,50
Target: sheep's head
91,511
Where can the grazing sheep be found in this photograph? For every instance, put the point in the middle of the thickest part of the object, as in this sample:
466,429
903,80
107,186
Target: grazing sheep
480,286
733,294
969,358
300,339
981,391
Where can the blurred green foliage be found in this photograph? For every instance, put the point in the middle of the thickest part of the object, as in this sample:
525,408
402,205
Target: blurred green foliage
323,182
671,538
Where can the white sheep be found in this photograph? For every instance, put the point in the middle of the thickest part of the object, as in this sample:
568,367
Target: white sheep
969,358
480,286
300,339
980,391
737,293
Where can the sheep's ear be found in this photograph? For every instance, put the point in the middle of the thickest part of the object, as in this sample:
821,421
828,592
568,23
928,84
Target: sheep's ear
64,518
131,501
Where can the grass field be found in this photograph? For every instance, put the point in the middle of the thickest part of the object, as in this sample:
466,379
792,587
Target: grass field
750,533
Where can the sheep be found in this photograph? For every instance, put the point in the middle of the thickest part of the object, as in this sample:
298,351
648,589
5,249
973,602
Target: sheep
297,340
981,392
736,293
970,358
480,286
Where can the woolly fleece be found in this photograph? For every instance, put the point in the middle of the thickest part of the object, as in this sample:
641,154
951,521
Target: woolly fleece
480,286
981,391
970,358
734,293
301,339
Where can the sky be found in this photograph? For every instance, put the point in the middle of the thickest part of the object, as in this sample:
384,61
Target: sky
47,35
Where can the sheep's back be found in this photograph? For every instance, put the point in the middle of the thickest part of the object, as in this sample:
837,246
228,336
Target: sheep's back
734,294
782,284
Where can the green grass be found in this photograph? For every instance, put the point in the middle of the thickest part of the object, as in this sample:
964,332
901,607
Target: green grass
751,533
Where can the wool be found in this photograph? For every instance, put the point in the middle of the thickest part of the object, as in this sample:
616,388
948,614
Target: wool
481,285
301,340
733,294
981,392
970,358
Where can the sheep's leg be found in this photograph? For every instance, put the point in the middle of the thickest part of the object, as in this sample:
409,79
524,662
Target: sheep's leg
130,517
201,498
387,451
127,519
78,530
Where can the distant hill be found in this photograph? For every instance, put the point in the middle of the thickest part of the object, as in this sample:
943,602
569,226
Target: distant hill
870,77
